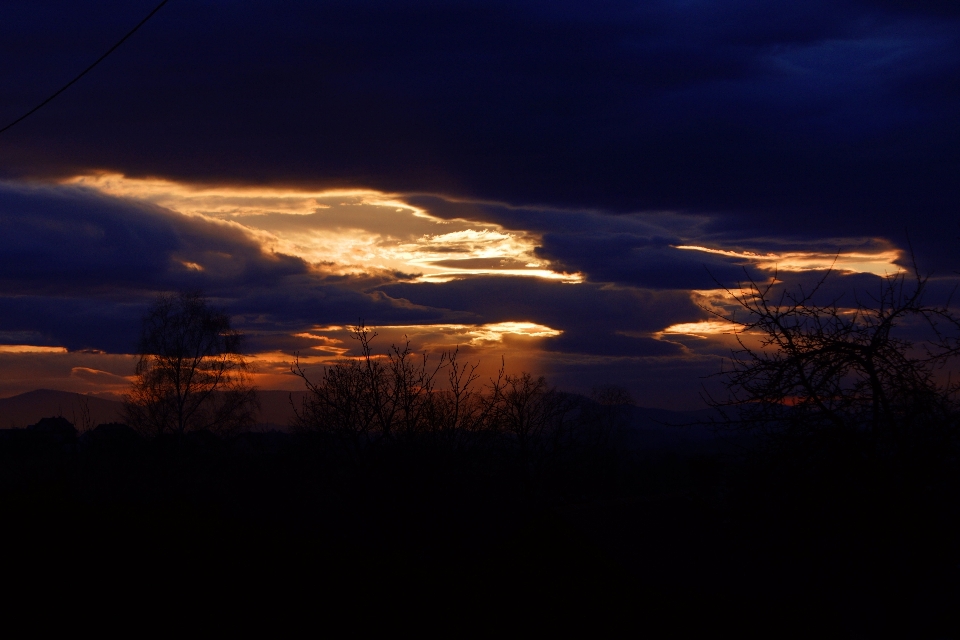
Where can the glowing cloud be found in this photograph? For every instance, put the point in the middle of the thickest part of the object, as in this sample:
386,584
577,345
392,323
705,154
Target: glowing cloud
447,334
698,329
476,334
346,231
29,348
496,332
880,263
101,378
327,344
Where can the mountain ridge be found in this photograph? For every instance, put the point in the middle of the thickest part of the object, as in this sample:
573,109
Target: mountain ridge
649,428
86,411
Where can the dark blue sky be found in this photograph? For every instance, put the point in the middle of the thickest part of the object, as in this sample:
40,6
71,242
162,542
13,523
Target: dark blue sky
606,133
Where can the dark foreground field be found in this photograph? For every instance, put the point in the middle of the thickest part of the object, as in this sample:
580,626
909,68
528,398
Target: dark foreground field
663,535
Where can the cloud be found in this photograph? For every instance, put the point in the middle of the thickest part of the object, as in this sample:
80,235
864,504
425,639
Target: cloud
100,378
666,250
72,239
343,232
560,306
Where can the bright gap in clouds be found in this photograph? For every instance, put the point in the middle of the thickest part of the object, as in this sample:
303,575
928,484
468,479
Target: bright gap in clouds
344,232
334,341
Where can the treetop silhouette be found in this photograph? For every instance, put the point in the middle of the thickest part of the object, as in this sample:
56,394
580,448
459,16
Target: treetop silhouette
191,374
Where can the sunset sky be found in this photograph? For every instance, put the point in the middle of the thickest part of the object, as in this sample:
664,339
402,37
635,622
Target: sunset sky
566,185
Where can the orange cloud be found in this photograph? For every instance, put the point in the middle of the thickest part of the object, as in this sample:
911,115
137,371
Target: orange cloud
346,231
880,263
29,348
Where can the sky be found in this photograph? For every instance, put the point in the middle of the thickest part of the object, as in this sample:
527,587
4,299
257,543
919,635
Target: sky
566,188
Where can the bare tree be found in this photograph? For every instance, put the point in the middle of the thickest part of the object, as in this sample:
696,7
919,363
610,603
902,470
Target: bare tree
462,410
371,398
400,410
84,422
399,395
535,416
806,368
191,374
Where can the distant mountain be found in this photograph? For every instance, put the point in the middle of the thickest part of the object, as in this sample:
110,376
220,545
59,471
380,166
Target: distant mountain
648,429
275,408
28,408
701,431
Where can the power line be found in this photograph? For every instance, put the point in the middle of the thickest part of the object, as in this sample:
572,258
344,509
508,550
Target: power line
87,70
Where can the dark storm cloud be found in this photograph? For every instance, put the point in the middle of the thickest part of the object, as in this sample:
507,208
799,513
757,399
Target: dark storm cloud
271,317
554,304
78,324
840,115
600,342
595,319
633,250
68,239
940,8
640,249
846,290
636,261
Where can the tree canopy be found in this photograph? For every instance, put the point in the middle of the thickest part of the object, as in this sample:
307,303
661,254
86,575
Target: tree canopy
191,374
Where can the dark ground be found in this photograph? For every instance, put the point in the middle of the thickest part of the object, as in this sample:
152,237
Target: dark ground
667,542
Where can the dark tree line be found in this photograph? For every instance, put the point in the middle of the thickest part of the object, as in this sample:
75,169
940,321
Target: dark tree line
376,405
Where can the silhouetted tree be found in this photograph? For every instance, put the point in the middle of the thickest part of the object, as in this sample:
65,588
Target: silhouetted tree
536,420
606,422
370,398
191,374
822,371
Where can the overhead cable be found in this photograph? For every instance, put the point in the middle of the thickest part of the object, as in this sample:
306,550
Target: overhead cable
87,70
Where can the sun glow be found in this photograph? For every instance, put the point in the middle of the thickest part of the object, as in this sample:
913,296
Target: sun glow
346,232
